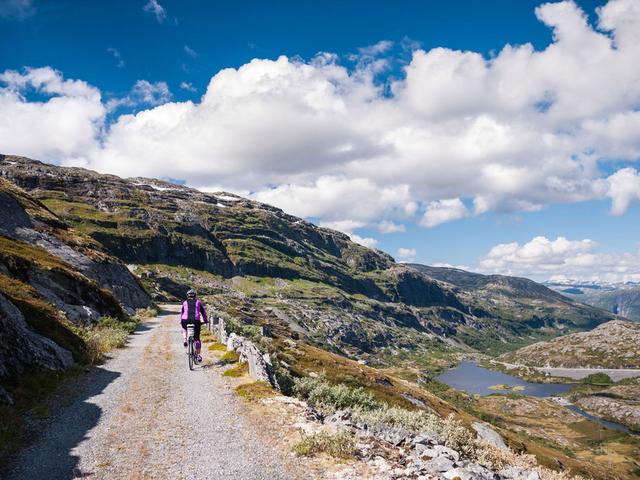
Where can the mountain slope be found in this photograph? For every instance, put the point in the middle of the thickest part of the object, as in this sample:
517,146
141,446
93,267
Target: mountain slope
611,345
368,305
529,301
52,280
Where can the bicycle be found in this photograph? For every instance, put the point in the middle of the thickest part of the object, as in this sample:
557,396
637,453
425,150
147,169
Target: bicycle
191,352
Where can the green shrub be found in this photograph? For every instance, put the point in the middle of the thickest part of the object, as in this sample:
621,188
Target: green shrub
415,421
597,379
338,445
320,393
109,333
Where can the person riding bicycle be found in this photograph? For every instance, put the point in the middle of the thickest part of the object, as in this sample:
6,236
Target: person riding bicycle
193,312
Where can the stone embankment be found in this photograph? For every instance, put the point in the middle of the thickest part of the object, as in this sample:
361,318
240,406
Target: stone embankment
260,368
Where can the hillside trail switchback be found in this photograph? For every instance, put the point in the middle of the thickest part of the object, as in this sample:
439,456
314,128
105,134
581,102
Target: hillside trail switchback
144,415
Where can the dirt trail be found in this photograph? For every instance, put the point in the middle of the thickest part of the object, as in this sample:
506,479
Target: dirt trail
144,415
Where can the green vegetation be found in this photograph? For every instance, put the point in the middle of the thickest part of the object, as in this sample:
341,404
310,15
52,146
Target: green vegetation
412,420
217,347
108,334
255,391
42,316
239,370
339,445
321,394
597,379
229,357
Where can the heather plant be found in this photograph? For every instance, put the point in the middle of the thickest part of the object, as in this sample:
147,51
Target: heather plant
321,394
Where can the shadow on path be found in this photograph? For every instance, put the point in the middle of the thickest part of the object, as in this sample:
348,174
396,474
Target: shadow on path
50,456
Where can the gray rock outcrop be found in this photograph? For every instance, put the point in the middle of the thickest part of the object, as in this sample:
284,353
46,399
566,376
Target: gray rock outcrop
22,350
489,435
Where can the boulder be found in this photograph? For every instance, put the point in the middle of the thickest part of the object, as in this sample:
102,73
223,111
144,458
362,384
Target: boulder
470,472
437,451
439,464
341,417
519,473
427,437
393,435
489,435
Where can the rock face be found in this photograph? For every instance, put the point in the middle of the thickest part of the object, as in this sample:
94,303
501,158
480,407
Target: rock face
621,299
620,403
489,435
40,228
51,277
22,349
611,345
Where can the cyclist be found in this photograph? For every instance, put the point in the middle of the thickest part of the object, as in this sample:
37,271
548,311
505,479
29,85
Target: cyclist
193,312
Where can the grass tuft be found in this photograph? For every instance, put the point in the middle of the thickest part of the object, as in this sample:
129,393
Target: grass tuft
255,391
218,347
338,445
229,357
238,371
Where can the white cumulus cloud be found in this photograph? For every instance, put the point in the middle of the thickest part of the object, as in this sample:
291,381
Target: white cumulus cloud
442,211
406,254
517,131
542,258
143,92
63,126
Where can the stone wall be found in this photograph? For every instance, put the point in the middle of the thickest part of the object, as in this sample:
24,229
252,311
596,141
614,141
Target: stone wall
260,367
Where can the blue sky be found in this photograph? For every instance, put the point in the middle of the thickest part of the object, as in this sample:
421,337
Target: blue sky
417,107
73,36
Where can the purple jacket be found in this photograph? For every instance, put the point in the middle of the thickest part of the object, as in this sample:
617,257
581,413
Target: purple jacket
184,313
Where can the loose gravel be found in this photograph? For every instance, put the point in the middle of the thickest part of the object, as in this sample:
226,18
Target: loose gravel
145,415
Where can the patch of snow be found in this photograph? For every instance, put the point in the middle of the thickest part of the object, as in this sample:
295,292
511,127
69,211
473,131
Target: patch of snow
222,205
155,187
228,198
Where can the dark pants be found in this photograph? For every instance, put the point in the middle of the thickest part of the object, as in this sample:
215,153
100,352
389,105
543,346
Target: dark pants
196,330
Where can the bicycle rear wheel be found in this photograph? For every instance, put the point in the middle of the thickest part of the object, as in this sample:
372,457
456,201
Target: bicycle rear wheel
190,353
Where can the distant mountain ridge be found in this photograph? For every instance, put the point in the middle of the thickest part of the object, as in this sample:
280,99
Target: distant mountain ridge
472,281
621,299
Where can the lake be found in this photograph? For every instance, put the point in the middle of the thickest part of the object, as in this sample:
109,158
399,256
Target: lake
471,378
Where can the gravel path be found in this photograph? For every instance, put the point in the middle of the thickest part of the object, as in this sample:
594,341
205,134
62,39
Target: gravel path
144,415
616,374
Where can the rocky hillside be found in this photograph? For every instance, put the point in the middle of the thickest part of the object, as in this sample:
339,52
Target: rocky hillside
369,303
611,345
52,279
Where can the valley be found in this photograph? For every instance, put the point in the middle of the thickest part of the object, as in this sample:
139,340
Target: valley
80,247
